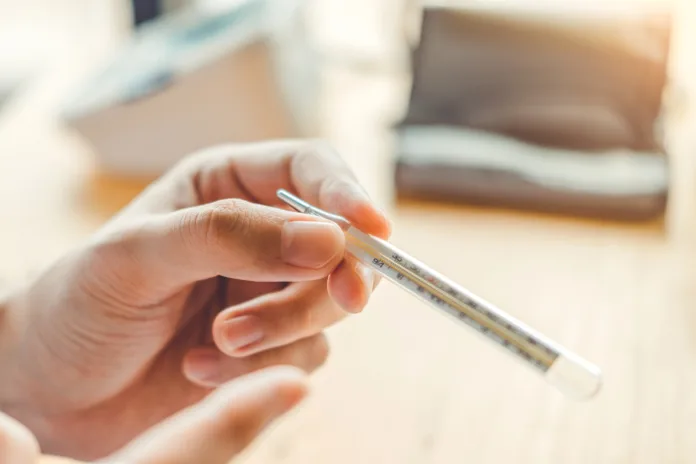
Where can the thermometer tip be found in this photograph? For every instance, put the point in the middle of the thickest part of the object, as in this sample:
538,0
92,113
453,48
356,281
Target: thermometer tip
292,201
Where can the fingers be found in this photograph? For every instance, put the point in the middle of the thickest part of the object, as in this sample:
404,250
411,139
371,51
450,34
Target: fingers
234,239
276,319
17,444
351,285
194,231
239,291
320,176
208,367
223,424
312,169
299,311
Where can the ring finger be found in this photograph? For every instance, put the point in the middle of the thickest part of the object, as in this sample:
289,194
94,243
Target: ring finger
275,319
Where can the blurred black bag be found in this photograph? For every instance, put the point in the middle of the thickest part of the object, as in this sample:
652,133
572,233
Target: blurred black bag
557,108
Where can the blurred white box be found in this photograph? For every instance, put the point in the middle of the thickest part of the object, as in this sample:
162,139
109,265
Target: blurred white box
201,77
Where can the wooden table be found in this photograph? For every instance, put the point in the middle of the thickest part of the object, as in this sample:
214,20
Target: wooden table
404,385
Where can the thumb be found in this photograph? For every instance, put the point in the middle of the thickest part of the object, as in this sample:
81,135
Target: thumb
221,426
235,239
17,444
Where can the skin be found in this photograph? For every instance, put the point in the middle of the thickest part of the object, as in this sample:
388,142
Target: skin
212,431
202,280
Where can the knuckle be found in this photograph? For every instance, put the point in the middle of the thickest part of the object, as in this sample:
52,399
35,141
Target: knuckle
302,319
312,353
223,219
320,351
293,324
116,245
317,147
311,153
330,189
308,315
308,354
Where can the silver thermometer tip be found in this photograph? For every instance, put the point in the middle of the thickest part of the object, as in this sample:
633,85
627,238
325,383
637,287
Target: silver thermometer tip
293,201
305,208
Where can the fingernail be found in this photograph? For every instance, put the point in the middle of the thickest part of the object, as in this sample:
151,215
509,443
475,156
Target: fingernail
240,332
367,276
382,212
202,366
386,217
310,244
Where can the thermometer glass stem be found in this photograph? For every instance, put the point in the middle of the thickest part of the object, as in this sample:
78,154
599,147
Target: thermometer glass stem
567,371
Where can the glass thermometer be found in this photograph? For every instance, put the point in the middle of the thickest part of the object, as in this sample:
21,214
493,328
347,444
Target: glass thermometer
563,369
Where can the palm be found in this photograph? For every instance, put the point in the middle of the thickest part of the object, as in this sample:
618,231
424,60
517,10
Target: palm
151,386
115,324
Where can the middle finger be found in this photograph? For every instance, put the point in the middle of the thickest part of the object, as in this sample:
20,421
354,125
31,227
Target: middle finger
275,319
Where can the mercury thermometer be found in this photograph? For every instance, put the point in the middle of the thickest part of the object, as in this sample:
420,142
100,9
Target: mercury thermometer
563,369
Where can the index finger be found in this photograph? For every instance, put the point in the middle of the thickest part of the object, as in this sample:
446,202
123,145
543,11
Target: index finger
314,171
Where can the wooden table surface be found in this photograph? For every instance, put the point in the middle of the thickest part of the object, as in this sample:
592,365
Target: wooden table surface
404,385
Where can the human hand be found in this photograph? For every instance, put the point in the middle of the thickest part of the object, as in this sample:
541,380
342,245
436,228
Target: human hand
195,283
211,432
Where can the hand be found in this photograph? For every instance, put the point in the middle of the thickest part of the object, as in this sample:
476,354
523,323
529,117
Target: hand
212,432
195,283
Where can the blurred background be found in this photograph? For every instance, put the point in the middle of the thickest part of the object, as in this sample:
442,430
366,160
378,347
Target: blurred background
525,104
538,152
